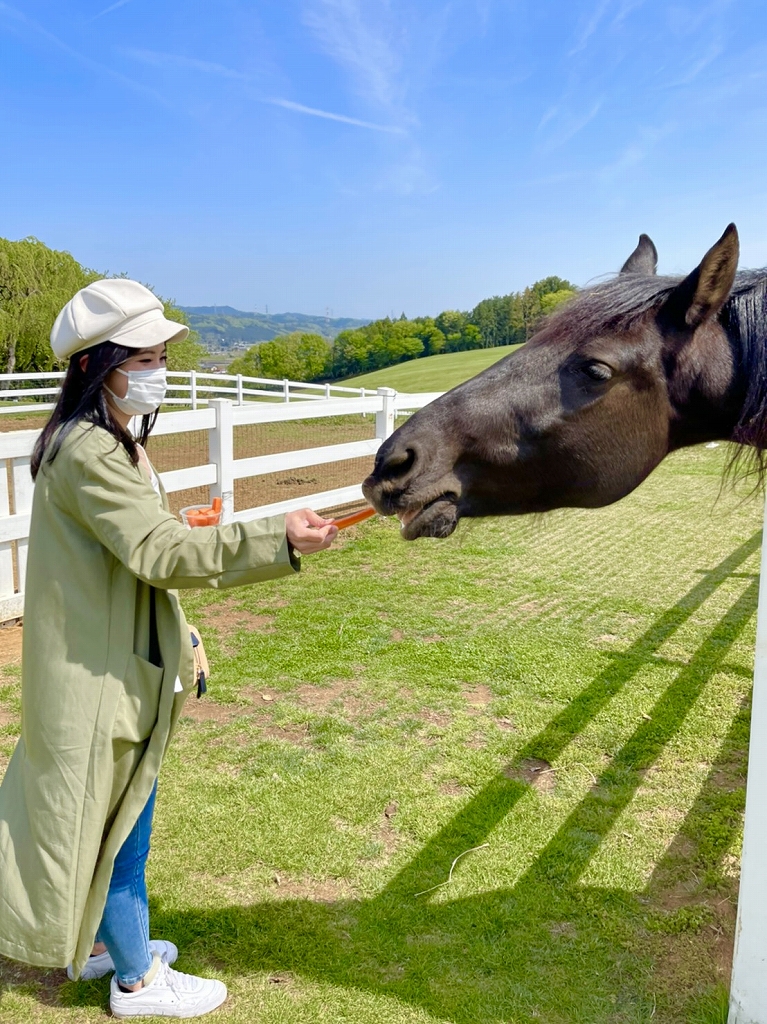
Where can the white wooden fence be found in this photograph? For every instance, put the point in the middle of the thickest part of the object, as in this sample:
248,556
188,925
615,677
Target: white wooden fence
189,388
218,474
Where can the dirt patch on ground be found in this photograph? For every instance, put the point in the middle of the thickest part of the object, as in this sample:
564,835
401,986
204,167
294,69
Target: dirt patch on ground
442,719
7,718
227,618
452,788
478,697
336,696
506,724
206,710
10,645
477,741
297,734
535,772
528,607
46,983
327,890
684,960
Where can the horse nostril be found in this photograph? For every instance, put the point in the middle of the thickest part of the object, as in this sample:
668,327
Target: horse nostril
392,465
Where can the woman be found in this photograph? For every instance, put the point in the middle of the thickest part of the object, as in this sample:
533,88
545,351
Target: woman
107,658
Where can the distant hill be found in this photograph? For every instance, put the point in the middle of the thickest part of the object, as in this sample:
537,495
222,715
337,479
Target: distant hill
222,328
432,373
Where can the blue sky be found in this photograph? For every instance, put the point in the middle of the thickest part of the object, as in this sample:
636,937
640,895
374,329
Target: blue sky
380,156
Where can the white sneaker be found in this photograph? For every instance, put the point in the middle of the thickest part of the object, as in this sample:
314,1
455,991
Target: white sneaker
101,964
168,993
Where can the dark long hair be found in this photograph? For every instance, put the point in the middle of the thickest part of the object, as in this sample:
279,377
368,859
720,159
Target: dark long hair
82,398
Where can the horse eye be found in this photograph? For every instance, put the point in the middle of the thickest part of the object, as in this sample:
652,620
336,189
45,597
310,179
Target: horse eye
597,371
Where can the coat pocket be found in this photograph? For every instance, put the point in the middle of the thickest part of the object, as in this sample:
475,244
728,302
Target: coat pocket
139,701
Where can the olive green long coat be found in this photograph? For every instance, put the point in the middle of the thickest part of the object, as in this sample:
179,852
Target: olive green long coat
97,714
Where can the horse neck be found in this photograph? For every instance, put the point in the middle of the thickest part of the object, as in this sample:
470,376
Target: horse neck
707,387
719,386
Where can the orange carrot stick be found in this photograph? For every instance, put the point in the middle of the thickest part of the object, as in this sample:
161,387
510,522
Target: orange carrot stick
354,518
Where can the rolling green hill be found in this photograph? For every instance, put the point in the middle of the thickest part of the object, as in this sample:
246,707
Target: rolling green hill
434,373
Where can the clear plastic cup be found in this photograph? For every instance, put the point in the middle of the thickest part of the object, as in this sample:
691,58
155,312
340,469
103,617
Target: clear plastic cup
199,515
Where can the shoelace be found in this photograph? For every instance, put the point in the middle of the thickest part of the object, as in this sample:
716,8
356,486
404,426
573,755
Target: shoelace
177,981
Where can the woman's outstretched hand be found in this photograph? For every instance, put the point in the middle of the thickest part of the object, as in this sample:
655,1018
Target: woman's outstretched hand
308,532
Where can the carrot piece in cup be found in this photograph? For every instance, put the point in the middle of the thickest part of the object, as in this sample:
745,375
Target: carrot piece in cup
217,504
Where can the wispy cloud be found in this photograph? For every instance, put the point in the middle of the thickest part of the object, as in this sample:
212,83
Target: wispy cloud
108,10
299,108
698,65
565,124
360,37
590,26
26,25
176,62
634,153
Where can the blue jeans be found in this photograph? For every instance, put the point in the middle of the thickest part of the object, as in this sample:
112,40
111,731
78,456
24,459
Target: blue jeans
124,927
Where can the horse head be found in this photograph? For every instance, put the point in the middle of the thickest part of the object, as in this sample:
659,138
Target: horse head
621,375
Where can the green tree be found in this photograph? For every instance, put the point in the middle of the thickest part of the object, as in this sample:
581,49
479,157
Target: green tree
35,282
451,322
294,356
432,337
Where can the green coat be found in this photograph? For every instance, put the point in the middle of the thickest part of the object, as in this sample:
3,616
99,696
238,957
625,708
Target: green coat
97,715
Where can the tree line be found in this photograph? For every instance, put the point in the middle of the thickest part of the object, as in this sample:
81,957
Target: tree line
36,281
501,320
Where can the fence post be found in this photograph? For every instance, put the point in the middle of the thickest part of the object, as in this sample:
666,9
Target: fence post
748,990
239,389
385,418
327,391
193,387
286,390
221,452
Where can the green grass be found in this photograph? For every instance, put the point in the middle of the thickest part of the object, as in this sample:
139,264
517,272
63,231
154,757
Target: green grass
569,696
434,373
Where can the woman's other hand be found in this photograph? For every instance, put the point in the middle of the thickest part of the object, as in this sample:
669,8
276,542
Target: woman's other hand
308,532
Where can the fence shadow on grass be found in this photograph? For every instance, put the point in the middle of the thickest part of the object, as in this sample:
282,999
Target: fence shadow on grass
545,949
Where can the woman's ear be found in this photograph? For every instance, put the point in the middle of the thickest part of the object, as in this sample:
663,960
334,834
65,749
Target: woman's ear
84,363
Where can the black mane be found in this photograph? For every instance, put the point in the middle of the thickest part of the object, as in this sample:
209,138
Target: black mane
618,304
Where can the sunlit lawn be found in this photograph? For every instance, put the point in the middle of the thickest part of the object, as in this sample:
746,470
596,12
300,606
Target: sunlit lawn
565,698
434,373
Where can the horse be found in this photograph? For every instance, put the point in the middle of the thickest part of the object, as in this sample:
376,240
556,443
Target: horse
620,376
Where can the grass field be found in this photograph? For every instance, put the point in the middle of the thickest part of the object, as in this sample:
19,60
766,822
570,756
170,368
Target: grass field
566,698
434,373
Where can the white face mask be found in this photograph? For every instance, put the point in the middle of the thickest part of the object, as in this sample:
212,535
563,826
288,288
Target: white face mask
146,391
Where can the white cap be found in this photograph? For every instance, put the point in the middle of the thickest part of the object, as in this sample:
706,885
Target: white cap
117,310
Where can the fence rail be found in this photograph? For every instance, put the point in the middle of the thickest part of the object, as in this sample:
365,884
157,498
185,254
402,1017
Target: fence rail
218,473
185,387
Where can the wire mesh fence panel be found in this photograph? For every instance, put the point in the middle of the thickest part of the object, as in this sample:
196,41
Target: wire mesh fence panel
180,451
24,421
272,438
293,435
270,488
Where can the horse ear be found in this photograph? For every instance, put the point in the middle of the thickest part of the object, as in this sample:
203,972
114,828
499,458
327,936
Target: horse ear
643,260
703,292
